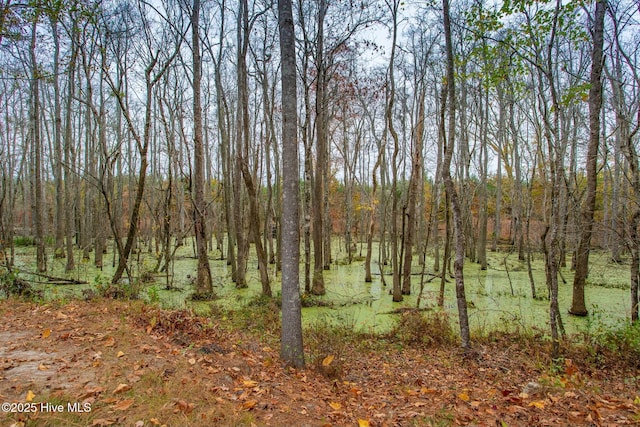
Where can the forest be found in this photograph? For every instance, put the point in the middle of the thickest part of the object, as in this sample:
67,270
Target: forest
218,146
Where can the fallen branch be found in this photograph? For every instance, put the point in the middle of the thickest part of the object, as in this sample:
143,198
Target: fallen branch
402,310
57,280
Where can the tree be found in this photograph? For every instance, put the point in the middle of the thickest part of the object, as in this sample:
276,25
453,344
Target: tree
204,284
37,149
578,306
393,6
319,184
152,75
291,346
449,141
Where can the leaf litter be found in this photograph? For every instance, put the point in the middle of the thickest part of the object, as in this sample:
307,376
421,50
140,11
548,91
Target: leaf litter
166,379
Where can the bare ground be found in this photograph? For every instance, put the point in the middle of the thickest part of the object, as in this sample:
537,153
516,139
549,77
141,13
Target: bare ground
129,364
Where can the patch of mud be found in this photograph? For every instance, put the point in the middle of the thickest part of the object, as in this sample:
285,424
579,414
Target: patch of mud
23,367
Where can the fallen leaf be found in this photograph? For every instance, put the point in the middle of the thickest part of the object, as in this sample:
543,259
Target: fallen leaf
538,404
122,388
123,405
46,333
102,422
184,406
30,396
327,360
120,354
192,361
569,368
42,367
139,423
155,421
90,392
335,405
249,383
249,404
363,423
109,341
463,396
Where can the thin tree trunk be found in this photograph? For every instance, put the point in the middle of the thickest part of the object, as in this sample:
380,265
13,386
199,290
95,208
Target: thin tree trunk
204,285
578,306
38,197
450,188
318,286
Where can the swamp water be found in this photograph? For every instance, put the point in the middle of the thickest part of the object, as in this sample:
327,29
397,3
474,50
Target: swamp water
498,298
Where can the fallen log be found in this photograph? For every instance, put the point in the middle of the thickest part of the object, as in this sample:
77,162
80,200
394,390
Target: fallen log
56,280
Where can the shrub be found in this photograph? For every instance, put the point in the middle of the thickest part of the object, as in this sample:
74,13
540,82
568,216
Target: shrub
421,329
262,313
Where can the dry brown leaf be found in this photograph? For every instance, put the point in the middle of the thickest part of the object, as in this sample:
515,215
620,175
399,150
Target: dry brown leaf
43,367
120,354
184,406
123,405
249,383
122,388
249,404
109,341
30,396
46,333
91,391
155,421
327,360
192,361
463,396
101,422
335,406
538,404
363,423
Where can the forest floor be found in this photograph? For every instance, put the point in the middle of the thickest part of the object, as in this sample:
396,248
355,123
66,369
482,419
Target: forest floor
108,363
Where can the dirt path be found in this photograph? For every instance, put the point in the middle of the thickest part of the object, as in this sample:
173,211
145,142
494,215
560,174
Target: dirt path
111,363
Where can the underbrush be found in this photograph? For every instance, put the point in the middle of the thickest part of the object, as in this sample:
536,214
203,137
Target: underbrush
424,329
260,314
331,343
619,345
11,285
331,346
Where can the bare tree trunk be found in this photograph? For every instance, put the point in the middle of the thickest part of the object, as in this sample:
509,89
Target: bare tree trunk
38,207
142,145
69,155
318,286
57,139
242,129
412,197
204,285
390,99
483,217
578,306
291,345
450,188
